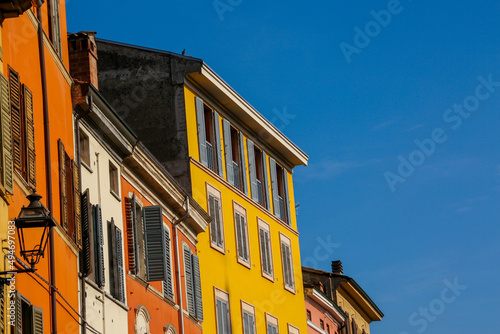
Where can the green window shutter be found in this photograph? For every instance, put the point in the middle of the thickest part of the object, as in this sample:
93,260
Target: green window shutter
113,265
17,123
202,137
99,249
287,199
168,289
156,269
228,151
218,146
130,217
266,182
77,204
195,261
29,137
188,277
253,170
120,288
243,164
88,235
63,186
274,187
37,319
6,136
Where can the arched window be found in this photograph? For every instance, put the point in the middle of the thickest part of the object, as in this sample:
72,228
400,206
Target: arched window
142,319
170,329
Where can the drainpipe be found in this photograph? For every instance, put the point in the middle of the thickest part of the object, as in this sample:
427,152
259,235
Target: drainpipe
178,264
79,163
48,169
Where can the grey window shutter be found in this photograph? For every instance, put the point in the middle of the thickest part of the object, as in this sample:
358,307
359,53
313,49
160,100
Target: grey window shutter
6,136
168,289
248,323
213,216
29,137
253,170
37,319
285,264
87,235
225,318
119,262
218,148
287,200
239,241
188,277
218,222
266,182
202,137
195,261
244,238
228,151
274,187
113,265
268,253
243,164
156,269
220,324
56,27
99,241
131,237
262,238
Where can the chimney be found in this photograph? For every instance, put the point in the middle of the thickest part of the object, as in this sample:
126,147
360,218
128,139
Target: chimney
83,57
337,267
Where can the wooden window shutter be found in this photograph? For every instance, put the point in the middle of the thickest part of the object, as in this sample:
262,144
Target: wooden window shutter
202,137
274,187
119,262
18,322
100,276
253,170
218,146
188,277
17,124
266,182
6,136
77,204
287,200
243,164
113,265
88,235
30,137
195,261
228,151
63,186
2,308
168,289
131,237
156,269
37,319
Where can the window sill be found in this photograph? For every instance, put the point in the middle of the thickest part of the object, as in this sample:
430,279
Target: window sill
217,248
266,276
245,264
291,290
87,167
115,195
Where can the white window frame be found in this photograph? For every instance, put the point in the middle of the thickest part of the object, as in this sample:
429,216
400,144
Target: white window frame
286,240
239,209
292,329
214,192
223,296
250,309
271,320
266,227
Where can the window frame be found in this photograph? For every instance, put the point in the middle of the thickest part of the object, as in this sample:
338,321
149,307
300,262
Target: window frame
261,224
84,142
292,329
271,320
250,309
287,241
114,177
223,296
214,192
239,209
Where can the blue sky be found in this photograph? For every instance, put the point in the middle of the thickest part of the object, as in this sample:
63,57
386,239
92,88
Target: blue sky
355,120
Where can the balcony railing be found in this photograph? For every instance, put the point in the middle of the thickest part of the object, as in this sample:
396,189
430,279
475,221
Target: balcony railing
259,193
236,174
210,156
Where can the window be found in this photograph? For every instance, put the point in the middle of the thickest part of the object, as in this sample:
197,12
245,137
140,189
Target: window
321,324
257,163
248,315
328,328
287,263
55,26
28,318
146,245
113,179
266,258
271,324
70,196
115,242
222,312
168,288
279,185
193,283
215,212
142,319
22,126
6,166
308,314
209,137
235,157
241,229
293,330
84,149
